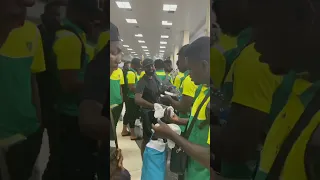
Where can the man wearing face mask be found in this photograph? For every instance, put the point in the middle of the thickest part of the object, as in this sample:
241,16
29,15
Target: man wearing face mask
147,93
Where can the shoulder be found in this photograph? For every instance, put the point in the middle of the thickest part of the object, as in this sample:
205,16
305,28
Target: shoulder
67,37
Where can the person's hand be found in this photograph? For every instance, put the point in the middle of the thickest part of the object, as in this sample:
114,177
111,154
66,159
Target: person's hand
162,130
168,118
120,158
166,99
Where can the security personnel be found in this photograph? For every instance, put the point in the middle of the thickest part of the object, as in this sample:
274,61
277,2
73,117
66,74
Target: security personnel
21,58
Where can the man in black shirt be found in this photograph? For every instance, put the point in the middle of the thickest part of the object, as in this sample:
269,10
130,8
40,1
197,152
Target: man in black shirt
147,93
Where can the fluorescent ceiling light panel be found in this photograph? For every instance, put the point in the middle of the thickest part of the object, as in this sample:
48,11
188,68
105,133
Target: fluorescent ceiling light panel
164,36
129,49
163,42
140,41
161,51
121,39
138,35
144,47
125,46
147,53
123,5
133,52
132,21
162,47
146,50
170,7
136,54
167,23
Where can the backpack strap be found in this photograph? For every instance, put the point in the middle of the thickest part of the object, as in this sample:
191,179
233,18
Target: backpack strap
304,120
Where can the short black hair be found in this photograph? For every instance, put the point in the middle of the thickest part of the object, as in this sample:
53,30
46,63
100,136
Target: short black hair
159,64
168,61
53,4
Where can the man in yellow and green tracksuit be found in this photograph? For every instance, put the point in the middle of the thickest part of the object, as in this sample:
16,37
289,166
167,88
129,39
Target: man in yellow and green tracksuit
72,58
292,146
197,146
21,58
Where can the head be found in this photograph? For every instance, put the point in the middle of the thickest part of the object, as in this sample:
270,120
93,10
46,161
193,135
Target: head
183,64
288,38
126,65
148,67
13,13
136,64
83,13
159,64
115,47
231,15
51,15
198,56
168,66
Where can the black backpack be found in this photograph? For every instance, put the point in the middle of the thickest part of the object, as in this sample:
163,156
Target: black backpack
48,81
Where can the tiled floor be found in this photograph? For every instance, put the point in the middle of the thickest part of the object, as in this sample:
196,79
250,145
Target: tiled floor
131,154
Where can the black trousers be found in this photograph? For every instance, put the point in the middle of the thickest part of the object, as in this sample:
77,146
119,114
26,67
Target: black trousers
21,157
147,118
132,113
78,153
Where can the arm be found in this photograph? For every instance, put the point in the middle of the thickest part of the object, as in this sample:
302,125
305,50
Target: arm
141,102
95,94
131,77
68,54
35,96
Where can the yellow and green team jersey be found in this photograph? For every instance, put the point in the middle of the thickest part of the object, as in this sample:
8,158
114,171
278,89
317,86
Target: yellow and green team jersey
254,83
67,50
177,80
199,136
294,167
162,75
116,80
91,51
142,74
20,56
217,67
103,39
132,78
227,42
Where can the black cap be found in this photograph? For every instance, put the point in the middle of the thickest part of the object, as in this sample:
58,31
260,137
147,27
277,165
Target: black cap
91,6
199,49
137,62
147,62
182,50
114,33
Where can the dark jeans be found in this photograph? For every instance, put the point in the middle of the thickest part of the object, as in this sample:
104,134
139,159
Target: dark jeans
78,159
116,111
147,118
22,157
132,113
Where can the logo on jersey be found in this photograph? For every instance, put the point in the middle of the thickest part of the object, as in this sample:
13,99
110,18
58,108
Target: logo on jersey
29,46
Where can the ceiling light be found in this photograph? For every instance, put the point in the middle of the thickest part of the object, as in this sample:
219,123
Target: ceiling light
146,50
132,21
123,5
163,42
125,45
121,39
140,41
166,23
147,53
161,51
129,49
170,7
162,47
138,35
164,36
144,47
136,54
133,52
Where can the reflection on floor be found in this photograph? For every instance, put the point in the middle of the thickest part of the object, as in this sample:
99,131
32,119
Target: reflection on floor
131,154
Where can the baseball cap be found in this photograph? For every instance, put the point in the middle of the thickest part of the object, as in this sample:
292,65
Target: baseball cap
199,49
182,50
136,62
114,33
147,62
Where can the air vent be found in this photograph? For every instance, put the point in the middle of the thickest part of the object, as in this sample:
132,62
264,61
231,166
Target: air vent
171,12
128,9
167,28
137,26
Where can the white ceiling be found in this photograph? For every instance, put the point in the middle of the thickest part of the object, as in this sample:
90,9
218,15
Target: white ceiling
190,15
